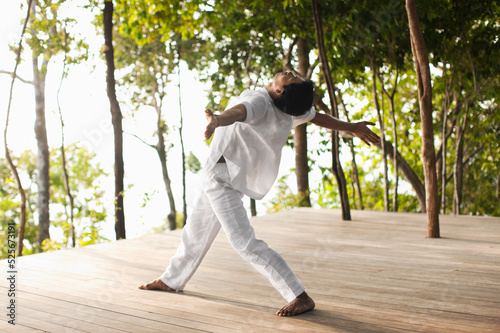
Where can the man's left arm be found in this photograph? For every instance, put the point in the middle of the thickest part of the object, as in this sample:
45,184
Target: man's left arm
359,129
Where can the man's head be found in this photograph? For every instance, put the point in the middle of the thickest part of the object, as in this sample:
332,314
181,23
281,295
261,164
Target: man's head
291,94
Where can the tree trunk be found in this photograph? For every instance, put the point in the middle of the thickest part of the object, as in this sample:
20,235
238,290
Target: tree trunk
70,216
183,152
22,215
380,116
498,184
395,160
253,207
116,117
444,139
422,71
300,133
43,181
394,138
166,179
443,161
162,154
42,161
458,168
325,66
353,161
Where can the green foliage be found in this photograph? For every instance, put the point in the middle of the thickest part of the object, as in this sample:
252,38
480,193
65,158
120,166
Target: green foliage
246,42
84,181
192,163
48,34
285,199
179,220
84,176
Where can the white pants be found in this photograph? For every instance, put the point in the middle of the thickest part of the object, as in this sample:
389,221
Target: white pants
220,205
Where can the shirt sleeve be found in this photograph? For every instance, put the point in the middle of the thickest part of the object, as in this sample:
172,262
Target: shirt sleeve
308,116
256,107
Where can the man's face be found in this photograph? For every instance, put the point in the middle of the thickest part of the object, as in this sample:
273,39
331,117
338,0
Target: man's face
285,78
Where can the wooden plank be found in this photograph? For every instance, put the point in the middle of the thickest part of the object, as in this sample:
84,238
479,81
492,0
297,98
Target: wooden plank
376,273
149,318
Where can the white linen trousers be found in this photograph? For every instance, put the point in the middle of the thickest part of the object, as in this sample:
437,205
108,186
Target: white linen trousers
220,205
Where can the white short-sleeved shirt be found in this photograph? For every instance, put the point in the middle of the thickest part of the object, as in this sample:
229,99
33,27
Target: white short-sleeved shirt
252,148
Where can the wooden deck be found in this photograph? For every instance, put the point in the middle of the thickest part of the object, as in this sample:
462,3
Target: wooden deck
377,273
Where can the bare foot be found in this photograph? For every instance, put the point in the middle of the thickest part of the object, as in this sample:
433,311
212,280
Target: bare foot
156,285
301,304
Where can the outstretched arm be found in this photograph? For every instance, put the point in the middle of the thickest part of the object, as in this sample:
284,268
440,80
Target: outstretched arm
226,118
359,129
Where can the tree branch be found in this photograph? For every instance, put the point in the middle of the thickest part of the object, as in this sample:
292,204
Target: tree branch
16,76
287,63
147,144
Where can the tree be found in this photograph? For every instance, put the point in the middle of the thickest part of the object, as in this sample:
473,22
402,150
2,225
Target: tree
336,165
46,30
422,70
181,137
155,35
43,35
154,62
67,187
462,40
85,176
116,118
22,215
250,46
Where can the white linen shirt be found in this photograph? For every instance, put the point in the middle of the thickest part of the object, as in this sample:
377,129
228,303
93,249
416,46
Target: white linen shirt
252,148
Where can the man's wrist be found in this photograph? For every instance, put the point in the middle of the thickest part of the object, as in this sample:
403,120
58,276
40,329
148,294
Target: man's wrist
215,120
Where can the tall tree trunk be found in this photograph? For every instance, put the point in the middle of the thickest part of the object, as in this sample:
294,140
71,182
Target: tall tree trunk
395,160
71,216
443,161
183,152
392,109
42,161
22,214
353,161
498,184
300,133
444,139
380,116
162,154
458,168
325,66
183,159
422,71
253,207
116,118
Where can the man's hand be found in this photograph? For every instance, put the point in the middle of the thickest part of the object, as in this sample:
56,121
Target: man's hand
359,129
212,123
226,118
365,134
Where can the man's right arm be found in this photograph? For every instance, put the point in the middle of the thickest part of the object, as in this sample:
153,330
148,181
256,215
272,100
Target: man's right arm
226,118
359,129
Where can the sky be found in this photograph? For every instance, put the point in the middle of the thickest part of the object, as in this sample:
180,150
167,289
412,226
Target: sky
87,119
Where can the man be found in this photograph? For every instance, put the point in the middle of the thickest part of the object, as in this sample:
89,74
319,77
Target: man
243,159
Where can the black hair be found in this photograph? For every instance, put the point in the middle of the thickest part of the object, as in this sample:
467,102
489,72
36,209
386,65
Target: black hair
297,98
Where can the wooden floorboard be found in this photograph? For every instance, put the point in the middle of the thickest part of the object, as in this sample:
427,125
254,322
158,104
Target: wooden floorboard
376,273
